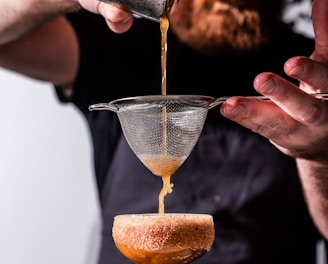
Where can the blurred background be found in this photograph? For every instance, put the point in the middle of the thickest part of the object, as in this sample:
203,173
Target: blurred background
48,203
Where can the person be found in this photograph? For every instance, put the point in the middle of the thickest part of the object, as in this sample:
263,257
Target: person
252,186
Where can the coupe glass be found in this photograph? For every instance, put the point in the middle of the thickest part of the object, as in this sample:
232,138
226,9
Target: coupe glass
163,238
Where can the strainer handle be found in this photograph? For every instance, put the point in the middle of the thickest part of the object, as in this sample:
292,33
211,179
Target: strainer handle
221,100
217,101
103,106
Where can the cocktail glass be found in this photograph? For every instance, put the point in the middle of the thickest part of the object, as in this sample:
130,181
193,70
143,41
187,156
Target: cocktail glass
163,238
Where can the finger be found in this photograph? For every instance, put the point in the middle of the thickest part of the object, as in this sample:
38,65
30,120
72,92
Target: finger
261,117
267,119
117,19
301,106
320,22
313,75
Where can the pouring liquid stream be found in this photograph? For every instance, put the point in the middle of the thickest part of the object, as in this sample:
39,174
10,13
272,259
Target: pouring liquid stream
164,26
165,174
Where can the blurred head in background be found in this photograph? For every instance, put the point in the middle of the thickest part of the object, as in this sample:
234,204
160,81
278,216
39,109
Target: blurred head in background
226,27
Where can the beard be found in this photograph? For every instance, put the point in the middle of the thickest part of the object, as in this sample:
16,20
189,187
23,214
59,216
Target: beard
226,27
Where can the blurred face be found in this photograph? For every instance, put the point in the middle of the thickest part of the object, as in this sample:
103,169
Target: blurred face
226,27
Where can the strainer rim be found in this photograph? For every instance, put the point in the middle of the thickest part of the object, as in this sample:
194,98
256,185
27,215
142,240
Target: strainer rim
168,97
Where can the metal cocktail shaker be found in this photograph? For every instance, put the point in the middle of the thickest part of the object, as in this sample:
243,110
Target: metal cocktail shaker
150,9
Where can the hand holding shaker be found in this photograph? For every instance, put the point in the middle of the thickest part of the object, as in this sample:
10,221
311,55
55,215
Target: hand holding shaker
150,9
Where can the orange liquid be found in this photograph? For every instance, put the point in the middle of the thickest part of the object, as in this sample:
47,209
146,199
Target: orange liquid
163,166
164,26
152,257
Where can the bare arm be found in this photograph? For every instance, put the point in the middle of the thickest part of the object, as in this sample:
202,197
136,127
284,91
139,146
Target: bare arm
18,17
37,42
48,53
314,178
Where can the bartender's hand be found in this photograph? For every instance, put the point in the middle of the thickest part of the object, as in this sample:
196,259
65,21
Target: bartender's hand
117,19
294,121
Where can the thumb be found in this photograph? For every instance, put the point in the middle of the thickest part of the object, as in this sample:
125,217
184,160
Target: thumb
320,25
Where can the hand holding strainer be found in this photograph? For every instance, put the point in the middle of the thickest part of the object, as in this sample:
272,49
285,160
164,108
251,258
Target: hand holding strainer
162,130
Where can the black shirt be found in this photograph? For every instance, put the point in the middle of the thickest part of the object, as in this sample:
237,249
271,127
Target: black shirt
251,189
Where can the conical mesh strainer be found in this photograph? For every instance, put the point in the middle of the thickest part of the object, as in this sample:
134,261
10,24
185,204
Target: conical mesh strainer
161,130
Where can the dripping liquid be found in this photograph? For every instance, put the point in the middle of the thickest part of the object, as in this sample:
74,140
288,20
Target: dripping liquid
164,167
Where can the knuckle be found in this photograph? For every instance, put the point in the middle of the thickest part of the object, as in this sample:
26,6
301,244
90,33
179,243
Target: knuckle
312,116
272,128
260,129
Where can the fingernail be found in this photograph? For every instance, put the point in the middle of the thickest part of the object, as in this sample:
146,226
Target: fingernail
229,109
297,70
268,87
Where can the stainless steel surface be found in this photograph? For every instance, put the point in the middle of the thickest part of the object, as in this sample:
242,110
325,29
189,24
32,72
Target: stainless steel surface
206,101
150,9
221,100
141,101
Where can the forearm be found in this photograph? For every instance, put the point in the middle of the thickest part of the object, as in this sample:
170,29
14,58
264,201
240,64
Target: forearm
314,177
18,17
48,53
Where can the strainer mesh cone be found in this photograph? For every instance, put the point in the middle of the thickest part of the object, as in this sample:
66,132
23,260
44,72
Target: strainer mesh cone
162,131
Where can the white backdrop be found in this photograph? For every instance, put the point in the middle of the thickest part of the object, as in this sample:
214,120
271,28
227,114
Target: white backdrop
48,204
